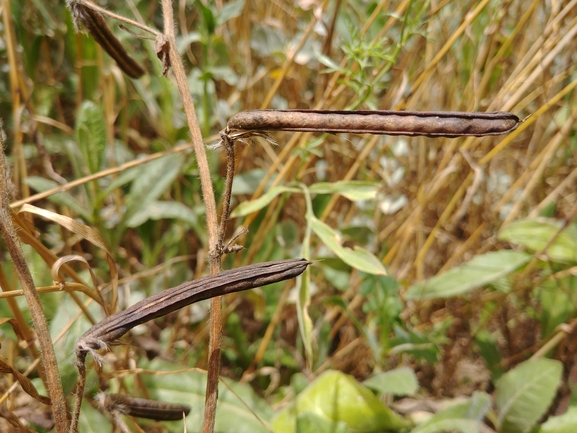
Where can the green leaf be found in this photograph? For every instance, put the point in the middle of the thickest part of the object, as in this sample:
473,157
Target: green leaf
208,17
535,234
62,198
157,210
566,423
339,399
327,61
353,190
230,10
481,270
401,381
239,408
359,258
153,179
524,394
183,42
465,417
91,135
304,293
251,206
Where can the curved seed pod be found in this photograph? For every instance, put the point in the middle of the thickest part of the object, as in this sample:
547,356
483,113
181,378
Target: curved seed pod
234,280
142,408
411,123
92,21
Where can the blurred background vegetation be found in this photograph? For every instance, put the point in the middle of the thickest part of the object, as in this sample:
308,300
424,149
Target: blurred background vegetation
501,208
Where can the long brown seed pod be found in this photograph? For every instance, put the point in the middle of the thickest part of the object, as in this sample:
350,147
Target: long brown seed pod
234,280
142,408
411,123
93,23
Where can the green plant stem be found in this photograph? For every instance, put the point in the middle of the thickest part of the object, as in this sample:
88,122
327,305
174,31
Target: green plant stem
211,217
48,355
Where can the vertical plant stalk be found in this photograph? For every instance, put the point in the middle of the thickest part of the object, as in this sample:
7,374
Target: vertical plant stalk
48,356
175,60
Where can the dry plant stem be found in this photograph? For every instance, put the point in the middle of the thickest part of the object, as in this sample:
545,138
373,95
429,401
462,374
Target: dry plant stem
211,218
230,161
41,326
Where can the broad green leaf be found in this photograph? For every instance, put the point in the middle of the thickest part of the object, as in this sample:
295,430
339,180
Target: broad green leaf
401,381
566,423
153,179
230,10
91,135
311,422
535,234
465,417
359,258
524,394
62,198
249,207
353,190
338,398
157,210
239,408
481,270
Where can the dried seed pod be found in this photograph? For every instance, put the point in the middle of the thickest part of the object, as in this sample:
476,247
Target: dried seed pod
234,280
411,123
142,408
93,23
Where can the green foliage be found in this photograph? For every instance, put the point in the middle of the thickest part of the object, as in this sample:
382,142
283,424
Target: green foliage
481,270
523,394
338,402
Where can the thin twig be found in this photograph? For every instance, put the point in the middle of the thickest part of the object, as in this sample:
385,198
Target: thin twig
41,326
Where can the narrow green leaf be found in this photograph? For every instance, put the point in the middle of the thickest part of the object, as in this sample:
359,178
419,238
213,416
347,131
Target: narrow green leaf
481,270
249,207
62,198
353,190
524,394
535,234
401,381
91,135
327,61
304,292
208,17
359,258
